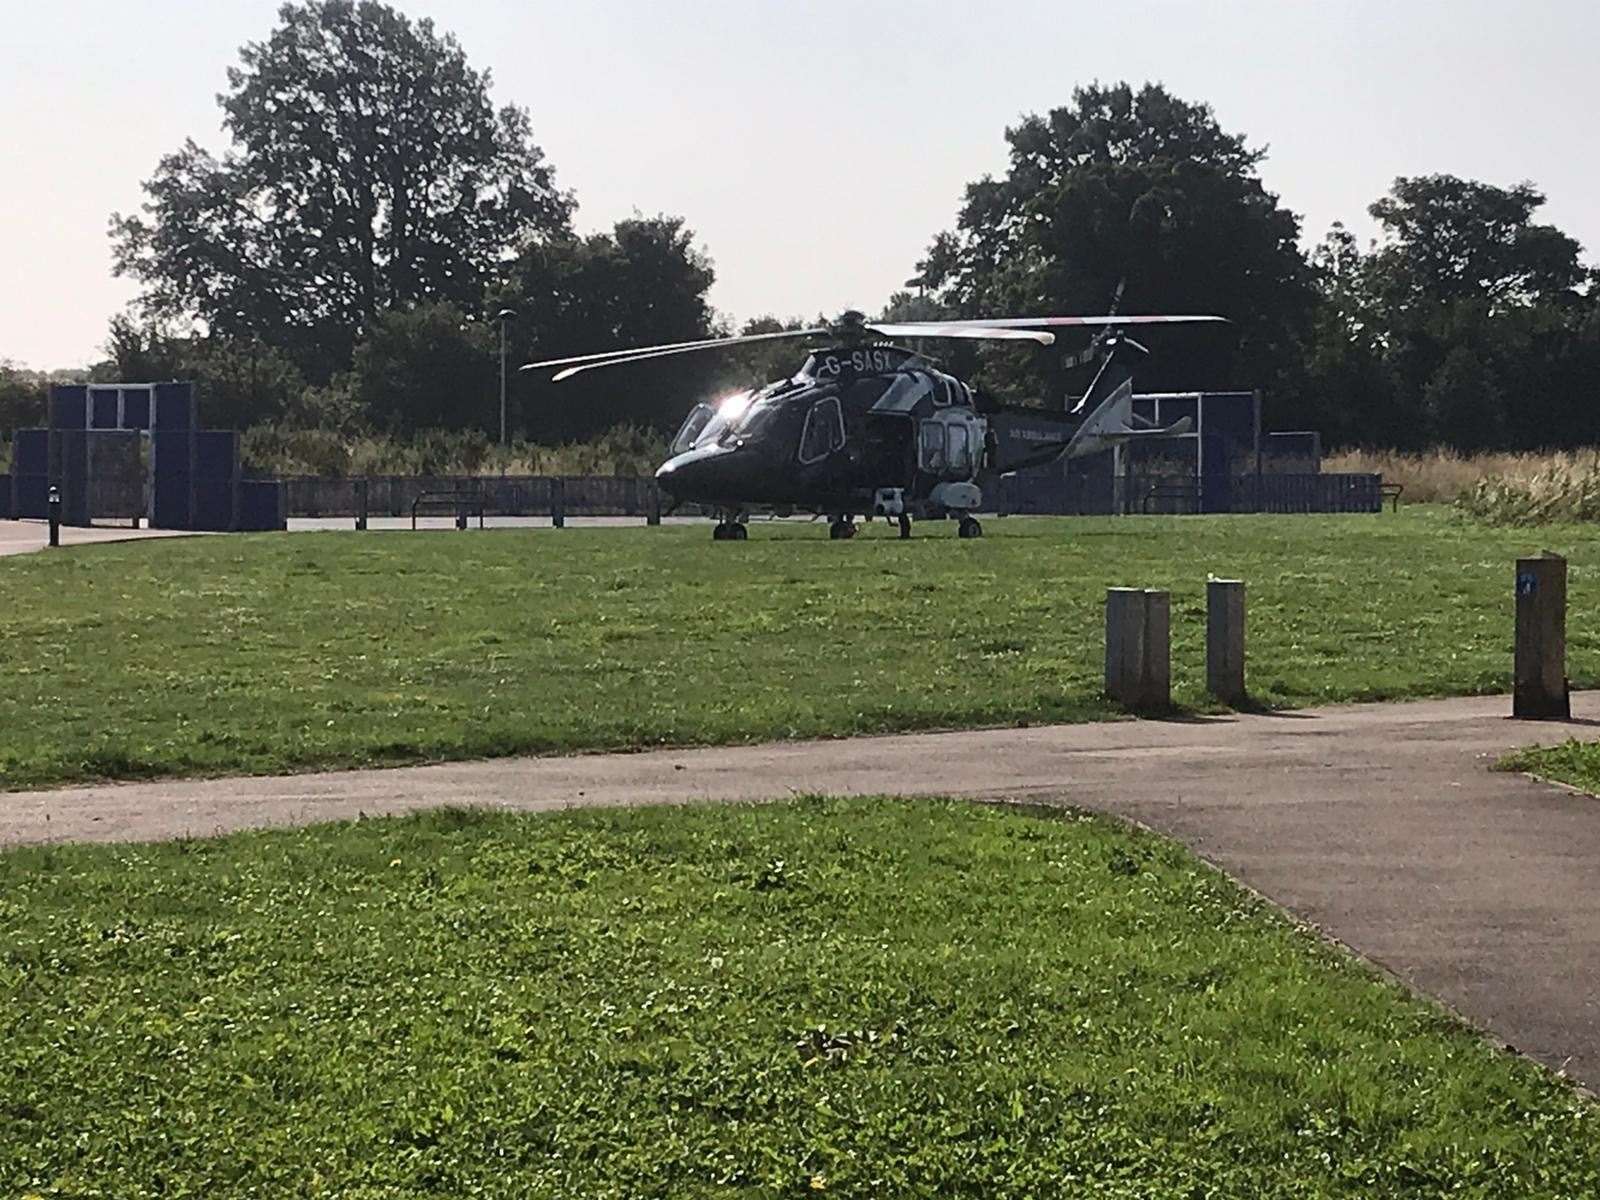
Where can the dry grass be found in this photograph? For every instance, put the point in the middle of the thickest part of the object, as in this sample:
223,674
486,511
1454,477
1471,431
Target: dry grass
1445,476
1531,488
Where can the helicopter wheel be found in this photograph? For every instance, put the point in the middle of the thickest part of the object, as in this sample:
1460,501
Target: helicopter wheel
969,528
842,530
729,531
905,526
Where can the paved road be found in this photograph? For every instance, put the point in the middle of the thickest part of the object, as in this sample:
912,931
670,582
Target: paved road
377,523
21,537
1381,824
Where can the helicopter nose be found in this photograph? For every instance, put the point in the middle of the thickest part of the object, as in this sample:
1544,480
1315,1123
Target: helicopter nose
706,474
678,475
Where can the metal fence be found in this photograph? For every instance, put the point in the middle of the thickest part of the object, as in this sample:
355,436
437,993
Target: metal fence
1176,493
1070,494
502,495
1264,493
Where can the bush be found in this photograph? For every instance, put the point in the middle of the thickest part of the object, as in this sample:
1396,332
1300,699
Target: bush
278,450
1567,489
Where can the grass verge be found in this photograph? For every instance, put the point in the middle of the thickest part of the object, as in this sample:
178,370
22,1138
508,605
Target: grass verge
269,653
1571,762
853,998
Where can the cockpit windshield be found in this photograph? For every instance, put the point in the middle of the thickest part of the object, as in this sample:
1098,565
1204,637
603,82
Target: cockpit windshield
756,417
693,426
742,415
706,425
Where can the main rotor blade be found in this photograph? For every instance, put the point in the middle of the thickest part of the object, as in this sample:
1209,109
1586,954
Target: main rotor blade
605,354
592,363
1054,322
957,329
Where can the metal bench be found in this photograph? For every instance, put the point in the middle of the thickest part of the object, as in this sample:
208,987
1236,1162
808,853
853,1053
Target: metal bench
1188,493
463,503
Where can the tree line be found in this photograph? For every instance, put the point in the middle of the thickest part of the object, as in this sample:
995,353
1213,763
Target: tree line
340,267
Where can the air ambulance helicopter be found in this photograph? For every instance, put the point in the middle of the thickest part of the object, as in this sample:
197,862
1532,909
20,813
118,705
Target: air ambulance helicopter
868,427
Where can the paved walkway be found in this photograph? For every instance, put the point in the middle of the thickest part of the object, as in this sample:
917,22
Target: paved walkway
1381,824
20,537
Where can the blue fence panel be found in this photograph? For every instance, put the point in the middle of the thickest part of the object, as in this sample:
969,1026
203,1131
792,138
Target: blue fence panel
69,468
174,406
69,406
171,500
30,466
261,505
216,470
136,408
103,407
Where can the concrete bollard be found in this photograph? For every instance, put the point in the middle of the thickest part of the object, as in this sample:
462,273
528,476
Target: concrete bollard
1139,648
1225,640
1540,688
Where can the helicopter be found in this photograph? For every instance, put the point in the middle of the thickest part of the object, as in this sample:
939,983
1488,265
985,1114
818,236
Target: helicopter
868,427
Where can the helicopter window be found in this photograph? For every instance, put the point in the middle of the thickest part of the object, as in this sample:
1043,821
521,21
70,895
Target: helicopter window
824,431
960,457
693,426
932,446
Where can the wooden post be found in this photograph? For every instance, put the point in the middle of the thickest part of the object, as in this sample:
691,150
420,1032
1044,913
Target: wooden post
1124,633
1540,688
1225,640
1138,648
653,513
558,503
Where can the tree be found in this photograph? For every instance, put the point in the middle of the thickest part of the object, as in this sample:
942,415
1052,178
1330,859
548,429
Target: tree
1451,240
24,396
1463,325
239,381
427,367
368,169
645,283
1463,403
1144,188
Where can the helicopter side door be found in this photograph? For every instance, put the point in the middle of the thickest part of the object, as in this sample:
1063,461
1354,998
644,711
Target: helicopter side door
950,444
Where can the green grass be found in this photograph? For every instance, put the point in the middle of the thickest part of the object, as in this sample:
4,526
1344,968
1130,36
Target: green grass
267,653
858,998
1571,762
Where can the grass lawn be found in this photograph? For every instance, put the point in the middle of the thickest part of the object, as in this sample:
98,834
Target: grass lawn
265,653
853,998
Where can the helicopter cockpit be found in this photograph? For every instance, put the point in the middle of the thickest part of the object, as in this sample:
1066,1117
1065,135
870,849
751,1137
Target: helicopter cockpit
810,432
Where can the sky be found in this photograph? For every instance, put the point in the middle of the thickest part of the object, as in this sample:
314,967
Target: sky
814,146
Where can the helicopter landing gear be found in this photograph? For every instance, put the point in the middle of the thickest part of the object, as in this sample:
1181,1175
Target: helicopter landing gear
905,526
729,531
969,528
842,529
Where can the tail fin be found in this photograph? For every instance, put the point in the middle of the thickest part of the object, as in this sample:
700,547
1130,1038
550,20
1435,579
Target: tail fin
1113,422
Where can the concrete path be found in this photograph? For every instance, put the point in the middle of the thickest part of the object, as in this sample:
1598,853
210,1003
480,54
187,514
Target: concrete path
21,537
1381,824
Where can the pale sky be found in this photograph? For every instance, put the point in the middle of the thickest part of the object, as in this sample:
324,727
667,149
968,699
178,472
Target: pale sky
814,147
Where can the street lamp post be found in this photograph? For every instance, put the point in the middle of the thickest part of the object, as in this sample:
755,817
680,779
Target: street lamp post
504,315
